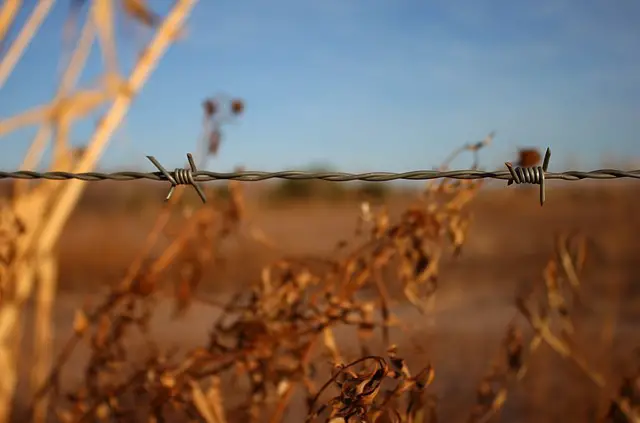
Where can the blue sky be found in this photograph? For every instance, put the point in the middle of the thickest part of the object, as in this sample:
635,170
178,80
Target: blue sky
372,84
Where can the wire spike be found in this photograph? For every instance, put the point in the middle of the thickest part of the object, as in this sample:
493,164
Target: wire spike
534,175
180,177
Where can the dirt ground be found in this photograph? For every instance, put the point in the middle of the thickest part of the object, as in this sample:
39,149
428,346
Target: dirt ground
510,239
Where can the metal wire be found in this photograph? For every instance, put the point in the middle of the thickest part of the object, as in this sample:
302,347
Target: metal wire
531,175
518,175
180,176
254,176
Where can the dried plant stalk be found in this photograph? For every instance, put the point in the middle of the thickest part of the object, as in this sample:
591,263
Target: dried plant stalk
46,278
39,14
17,288
69,79
70,193
32,258
8,14
146,63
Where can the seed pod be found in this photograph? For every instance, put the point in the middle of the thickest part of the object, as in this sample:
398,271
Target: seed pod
210,108
528,157
237,106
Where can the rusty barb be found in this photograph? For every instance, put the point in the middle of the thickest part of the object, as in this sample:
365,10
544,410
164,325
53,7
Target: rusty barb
519,175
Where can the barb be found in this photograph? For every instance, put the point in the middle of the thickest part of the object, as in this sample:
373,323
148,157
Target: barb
531,175
179,176
517,175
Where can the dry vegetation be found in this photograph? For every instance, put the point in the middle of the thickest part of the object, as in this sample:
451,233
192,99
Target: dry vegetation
297,331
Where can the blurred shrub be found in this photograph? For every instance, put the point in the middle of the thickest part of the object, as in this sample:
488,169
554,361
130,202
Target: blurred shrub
307,190
222,192
140,200
295,190
291,189
372,191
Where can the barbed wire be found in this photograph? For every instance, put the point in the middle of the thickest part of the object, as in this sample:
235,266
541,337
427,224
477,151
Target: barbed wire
535,175
256,176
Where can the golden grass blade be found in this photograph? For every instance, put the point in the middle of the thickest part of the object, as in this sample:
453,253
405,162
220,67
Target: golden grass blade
110,121
14,53
11,334
206,404
69,79
26,118
102,15
47,277
8,15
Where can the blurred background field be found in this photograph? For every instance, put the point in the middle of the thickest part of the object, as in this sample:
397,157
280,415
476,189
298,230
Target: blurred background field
110,224
508,246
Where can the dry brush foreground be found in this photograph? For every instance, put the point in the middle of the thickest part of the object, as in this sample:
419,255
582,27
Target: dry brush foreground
189,334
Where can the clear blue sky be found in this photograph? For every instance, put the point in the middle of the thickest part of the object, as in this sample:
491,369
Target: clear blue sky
372,84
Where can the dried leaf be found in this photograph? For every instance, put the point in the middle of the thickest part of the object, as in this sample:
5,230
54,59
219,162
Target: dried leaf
139,10
80,322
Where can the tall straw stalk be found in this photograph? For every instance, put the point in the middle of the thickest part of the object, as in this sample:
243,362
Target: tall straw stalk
41,212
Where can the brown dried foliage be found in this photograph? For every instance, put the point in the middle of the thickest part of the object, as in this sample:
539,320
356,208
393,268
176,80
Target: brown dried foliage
268,338
361,397
218,111
547,309
266,335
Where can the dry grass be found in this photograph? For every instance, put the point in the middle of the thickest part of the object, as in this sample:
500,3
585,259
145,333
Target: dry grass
33,219
270,332
273,334
271,339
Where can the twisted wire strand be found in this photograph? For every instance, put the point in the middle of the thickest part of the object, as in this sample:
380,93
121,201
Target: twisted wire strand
531,175
254,176
535,175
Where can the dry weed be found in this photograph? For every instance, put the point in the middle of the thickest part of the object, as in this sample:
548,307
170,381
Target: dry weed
266,336
361,396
